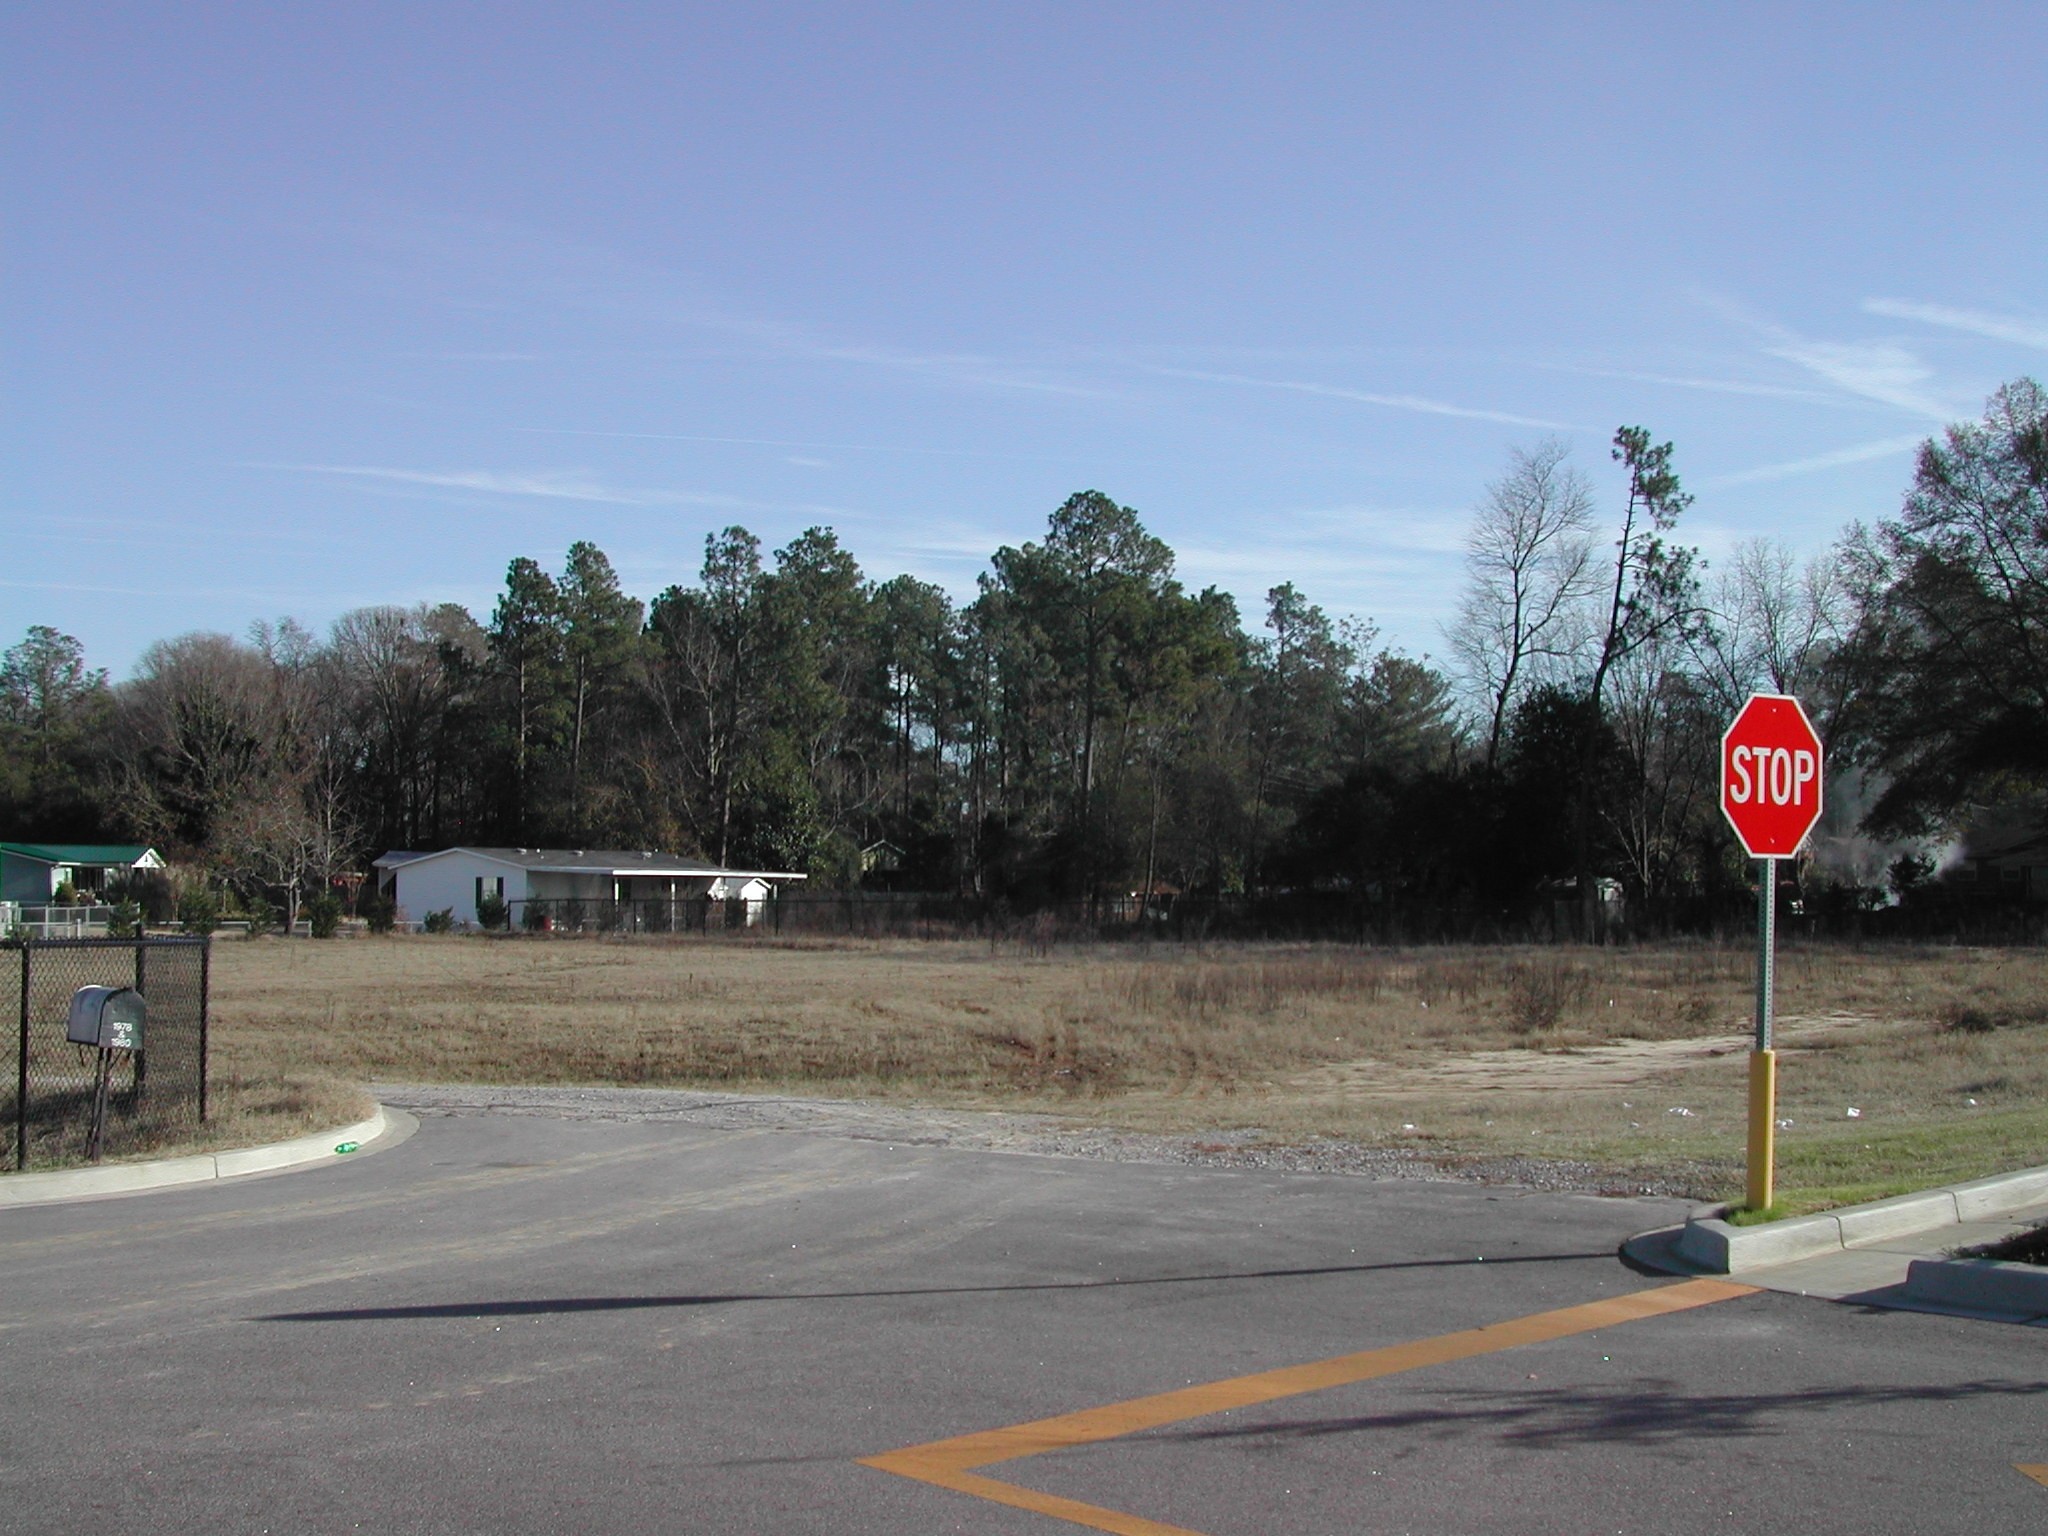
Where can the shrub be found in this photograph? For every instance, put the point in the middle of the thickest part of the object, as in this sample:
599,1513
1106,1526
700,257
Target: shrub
125,921
149,889
262,917
1988,1009
1909,874
65,895
199,909
535,918
442,921
1542,992
492,912
323,915
379,912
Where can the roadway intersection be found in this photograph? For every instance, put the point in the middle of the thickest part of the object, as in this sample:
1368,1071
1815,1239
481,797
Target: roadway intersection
561,1322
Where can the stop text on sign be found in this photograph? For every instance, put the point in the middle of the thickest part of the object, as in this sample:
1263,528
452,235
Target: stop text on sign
1771,775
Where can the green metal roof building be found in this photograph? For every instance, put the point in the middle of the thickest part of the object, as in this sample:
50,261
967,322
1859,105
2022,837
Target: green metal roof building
31,872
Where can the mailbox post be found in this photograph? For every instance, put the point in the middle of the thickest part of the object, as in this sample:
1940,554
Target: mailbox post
109,1019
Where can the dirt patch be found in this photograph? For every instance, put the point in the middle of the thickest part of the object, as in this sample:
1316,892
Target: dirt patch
1614,1064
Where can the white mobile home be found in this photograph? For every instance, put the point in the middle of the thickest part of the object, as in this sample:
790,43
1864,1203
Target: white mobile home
558,887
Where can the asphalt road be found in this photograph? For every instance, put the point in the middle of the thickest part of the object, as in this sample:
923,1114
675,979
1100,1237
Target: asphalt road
561,1324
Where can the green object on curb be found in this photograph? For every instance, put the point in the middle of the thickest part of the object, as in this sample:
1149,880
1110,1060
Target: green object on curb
348,1146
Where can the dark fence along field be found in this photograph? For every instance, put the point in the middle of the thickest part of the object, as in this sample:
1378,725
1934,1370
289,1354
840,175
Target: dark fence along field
46,1101
884,914
1331,917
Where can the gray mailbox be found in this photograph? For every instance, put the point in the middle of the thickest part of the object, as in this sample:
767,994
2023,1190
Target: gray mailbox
107,1016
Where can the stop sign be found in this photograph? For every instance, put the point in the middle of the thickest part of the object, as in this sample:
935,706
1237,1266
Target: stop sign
1770,776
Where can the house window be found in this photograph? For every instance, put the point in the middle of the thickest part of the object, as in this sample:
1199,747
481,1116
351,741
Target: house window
496,888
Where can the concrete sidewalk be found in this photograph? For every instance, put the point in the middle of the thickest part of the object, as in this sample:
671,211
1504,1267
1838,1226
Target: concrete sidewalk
1896,1253
204,1167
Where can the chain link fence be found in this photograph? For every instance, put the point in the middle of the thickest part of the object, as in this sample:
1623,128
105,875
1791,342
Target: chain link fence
46,1101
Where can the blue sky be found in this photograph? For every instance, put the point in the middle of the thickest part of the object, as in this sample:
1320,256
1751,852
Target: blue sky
310,307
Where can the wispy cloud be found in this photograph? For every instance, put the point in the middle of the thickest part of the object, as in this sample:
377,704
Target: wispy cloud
2025,333
1388,564
1418,529
500,266
1419,403
788,442
241,594
135,533
1715,386
551,486
1882,371
1861,453
951,540
475,357
1236,565
951,368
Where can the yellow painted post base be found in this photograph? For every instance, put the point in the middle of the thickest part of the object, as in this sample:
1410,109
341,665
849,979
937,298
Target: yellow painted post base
1763,1129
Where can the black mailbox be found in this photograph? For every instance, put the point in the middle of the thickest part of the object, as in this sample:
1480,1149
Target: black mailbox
107,1016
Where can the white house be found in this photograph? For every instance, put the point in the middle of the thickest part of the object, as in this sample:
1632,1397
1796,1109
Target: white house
572,886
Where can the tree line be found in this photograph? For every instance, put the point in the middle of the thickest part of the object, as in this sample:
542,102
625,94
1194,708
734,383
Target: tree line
1087,726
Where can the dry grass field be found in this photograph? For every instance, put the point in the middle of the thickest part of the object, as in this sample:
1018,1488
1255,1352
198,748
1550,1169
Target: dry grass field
1631,1059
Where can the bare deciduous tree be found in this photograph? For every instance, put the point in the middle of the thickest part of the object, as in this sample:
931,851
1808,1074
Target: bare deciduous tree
198,731
1774,623
1529,568
270,841
1668,727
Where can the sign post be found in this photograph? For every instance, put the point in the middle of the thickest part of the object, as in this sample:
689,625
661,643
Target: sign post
1770,793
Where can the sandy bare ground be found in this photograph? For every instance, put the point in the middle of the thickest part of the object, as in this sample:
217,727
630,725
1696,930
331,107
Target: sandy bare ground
1616,1064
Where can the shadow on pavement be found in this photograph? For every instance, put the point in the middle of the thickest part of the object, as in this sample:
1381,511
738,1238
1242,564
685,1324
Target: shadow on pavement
1640,1415
562,1304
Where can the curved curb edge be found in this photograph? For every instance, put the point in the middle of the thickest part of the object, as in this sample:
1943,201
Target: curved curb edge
1933,1281
1715,1247
201,1168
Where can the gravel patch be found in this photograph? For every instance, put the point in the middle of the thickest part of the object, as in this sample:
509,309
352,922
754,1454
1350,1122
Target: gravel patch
1031,1135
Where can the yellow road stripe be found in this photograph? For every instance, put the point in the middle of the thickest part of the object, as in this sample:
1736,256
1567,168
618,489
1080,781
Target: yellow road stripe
1119,1419
1073,1511
2037,1470
950,1463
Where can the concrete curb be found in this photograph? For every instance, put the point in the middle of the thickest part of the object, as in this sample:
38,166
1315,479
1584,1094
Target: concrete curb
127,1178
1980,1285
1721,1249
1718,1248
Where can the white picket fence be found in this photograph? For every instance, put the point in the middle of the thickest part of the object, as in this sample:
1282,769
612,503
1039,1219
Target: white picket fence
24,921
